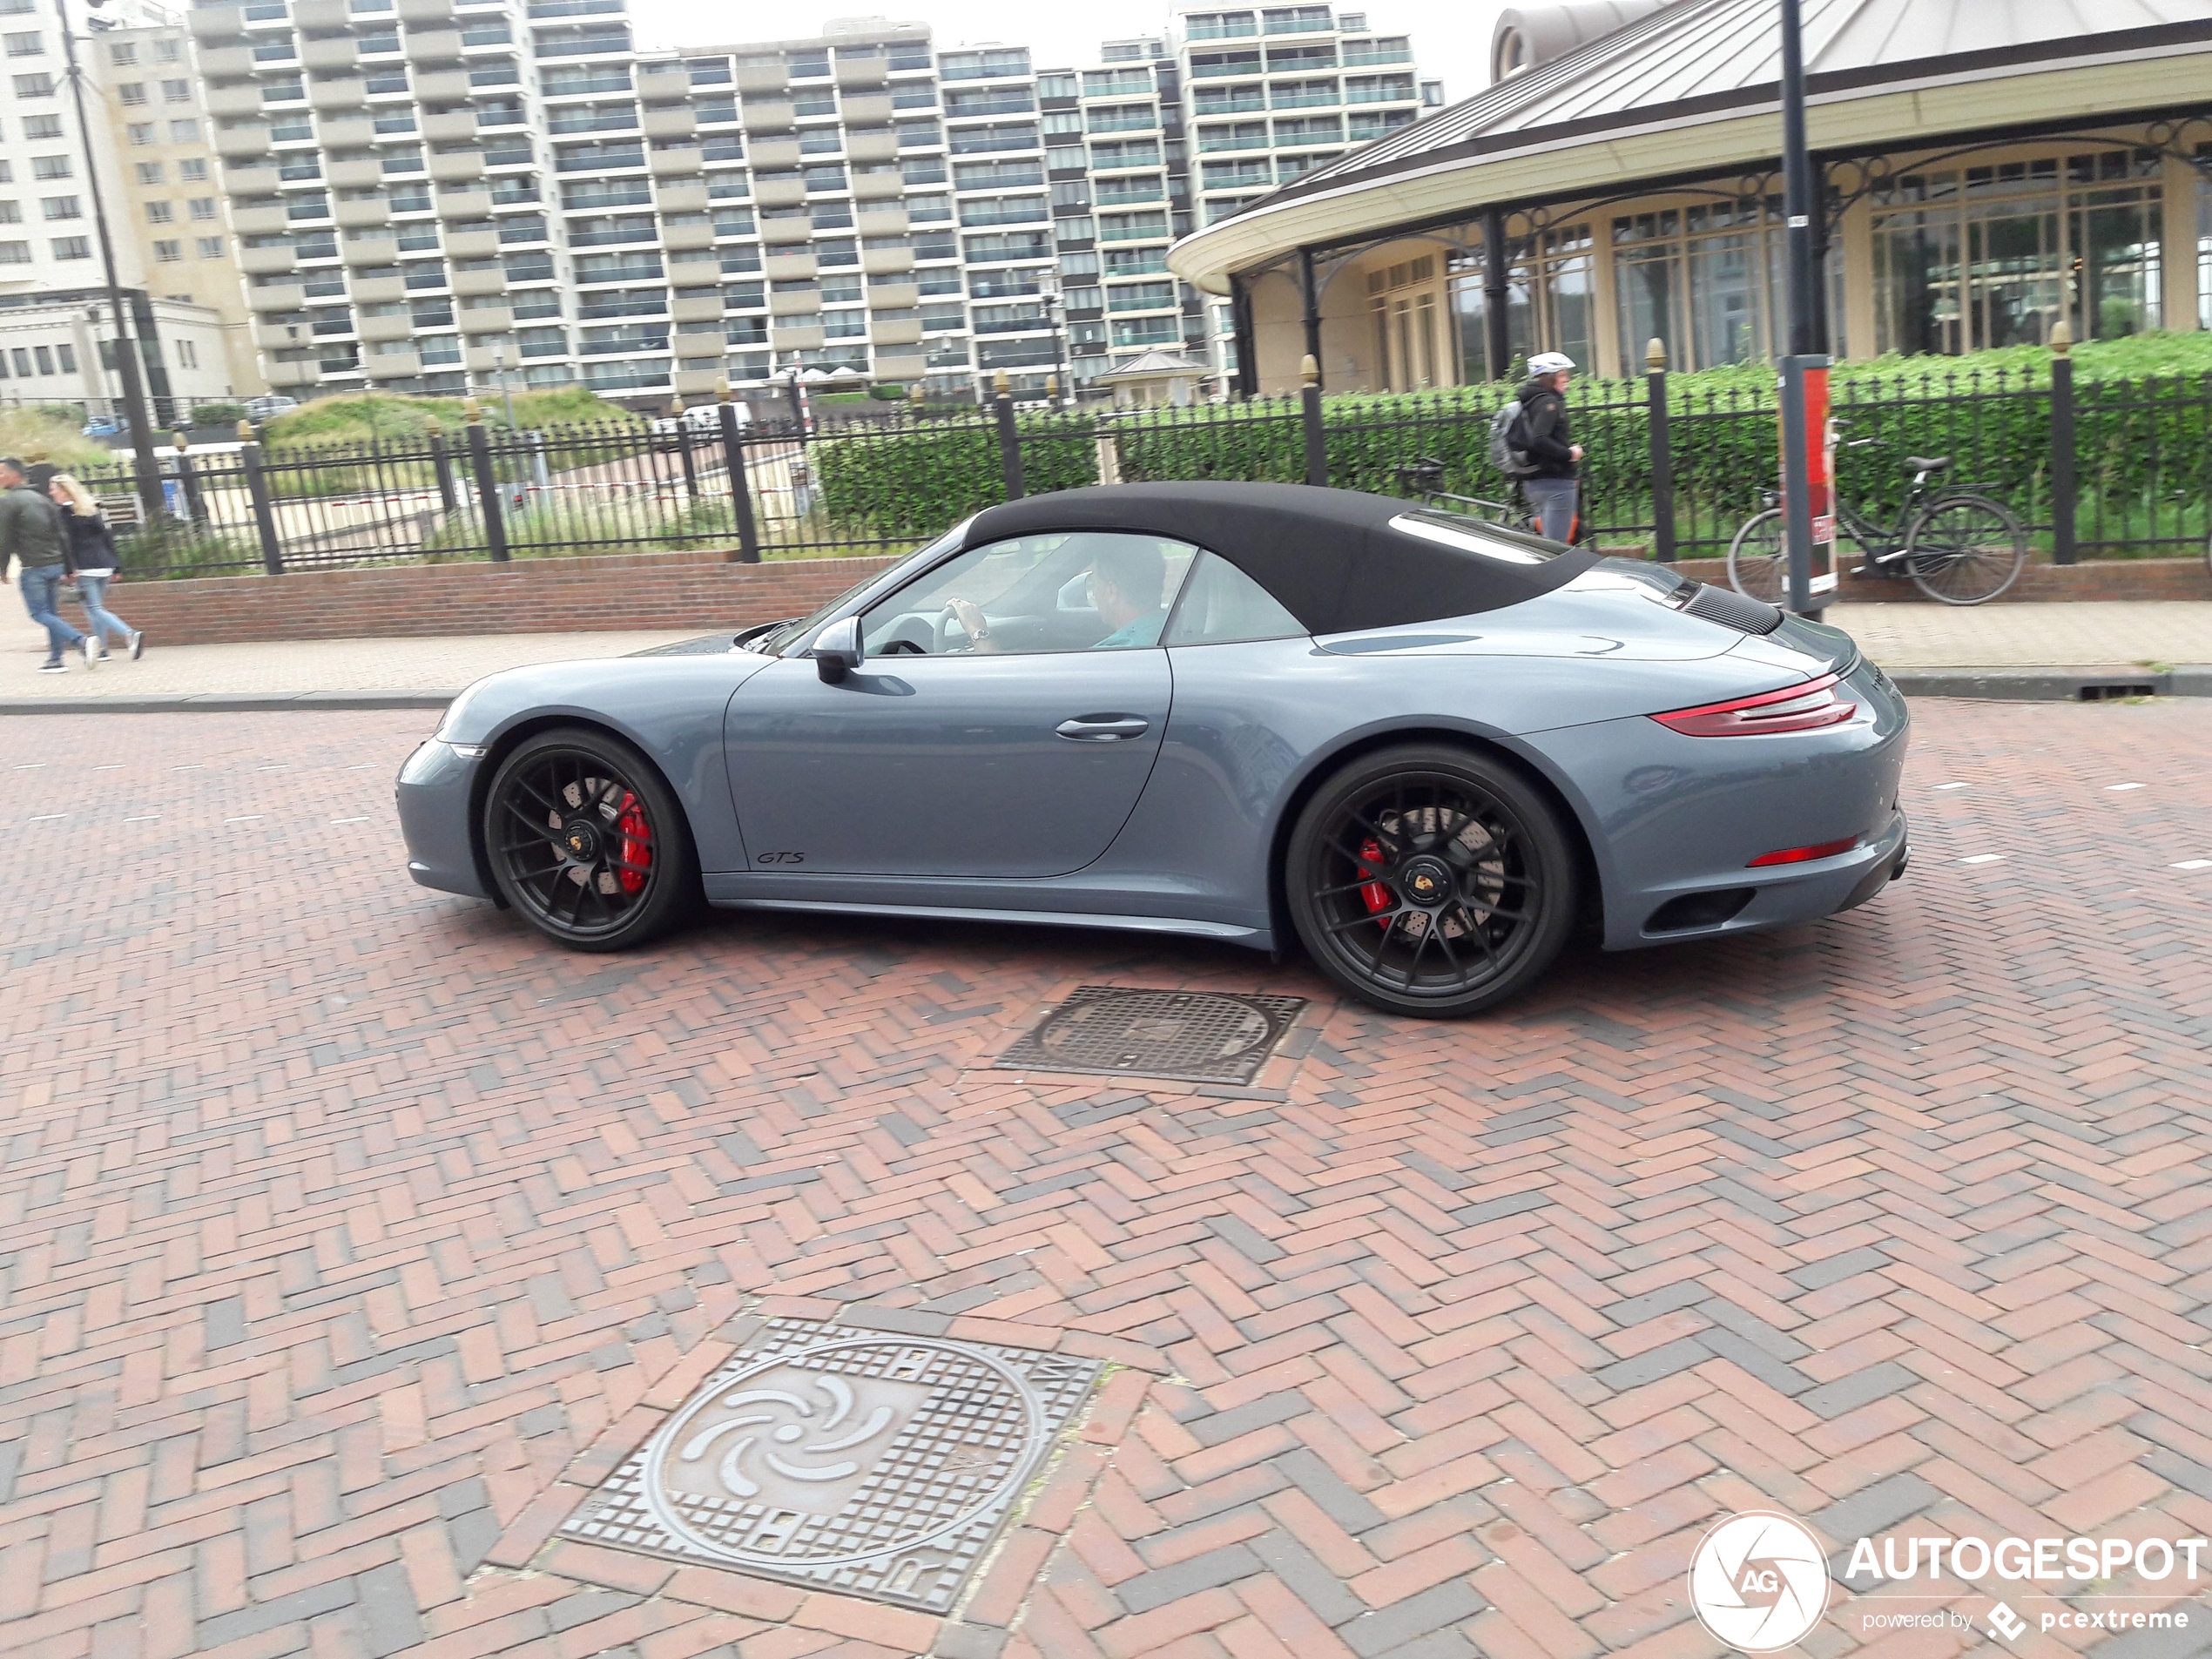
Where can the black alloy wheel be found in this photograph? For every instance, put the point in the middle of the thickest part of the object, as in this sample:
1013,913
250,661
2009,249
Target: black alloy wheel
587,842
1431,881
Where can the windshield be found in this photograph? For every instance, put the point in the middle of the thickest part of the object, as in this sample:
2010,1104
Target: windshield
773,645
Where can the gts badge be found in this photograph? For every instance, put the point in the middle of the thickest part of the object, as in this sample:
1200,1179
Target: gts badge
781,861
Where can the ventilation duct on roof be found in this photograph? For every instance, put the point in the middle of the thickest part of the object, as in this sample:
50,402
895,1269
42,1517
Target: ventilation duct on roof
1528,36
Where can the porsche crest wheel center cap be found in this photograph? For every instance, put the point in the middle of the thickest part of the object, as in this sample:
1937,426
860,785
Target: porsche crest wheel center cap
581,839
1426,880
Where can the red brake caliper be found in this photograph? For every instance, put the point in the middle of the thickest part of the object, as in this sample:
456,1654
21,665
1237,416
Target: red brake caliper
635,849
1374,896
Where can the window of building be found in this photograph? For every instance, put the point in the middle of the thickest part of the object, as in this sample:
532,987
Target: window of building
139,132
42,127
122,53
1975,257
73,247
166,252
15,254
50,167
1550,300
176,91
184,132
25,45
168,51
152,172
61,207
193,170
1703,278
160,212
132,92
34,86
209,248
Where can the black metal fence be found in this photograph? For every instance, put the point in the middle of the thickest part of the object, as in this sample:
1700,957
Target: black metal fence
2110,469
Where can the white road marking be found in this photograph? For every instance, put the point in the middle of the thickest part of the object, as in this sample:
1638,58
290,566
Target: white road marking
349,820
1983,858
2192,864
28,765
146,818
248,818
1954,785
113,766
47,818
2110,787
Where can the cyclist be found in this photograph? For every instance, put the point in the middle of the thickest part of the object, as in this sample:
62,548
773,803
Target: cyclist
1552,453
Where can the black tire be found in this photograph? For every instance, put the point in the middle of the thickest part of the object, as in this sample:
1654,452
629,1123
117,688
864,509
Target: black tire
1758,559
587,843
1500,868
1964,549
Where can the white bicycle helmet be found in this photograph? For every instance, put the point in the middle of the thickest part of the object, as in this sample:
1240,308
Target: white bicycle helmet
1550,362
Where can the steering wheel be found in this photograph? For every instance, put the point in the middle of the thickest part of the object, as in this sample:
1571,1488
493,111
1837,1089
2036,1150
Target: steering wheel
902,647
945,618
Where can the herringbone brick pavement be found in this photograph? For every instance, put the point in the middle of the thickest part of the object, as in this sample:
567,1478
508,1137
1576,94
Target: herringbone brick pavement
349,1235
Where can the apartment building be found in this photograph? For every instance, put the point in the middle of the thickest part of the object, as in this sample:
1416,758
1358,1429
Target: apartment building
438,195
57,330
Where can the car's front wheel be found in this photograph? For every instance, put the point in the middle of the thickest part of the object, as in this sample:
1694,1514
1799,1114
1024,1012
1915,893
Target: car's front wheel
1431,881
587,842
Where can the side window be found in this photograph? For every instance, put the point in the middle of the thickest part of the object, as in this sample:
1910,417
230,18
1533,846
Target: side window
1223,605
1060,591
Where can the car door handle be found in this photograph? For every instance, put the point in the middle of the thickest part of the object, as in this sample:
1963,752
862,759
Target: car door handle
1104,728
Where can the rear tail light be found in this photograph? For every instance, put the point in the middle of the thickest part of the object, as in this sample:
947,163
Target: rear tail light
1794,708
1804,854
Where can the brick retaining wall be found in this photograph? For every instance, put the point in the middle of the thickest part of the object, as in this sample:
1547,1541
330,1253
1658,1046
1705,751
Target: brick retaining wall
699,589
621,591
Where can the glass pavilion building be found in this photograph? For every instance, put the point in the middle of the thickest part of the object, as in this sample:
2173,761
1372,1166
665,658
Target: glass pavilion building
1987,169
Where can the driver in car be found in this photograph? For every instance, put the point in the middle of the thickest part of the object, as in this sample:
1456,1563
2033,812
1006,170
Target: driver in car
1126,581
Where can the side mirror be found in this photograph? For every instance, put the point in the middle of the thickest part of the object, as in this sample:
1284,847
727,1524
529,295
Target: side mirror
836,649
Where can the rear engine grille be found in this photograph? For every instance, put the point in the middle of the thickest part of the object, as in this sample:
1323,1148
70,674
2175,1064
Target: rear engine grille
1732,610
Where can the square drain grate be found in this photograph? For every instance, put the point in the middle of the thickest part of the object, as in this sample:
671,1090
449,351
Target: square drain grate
845,1459
1192,1037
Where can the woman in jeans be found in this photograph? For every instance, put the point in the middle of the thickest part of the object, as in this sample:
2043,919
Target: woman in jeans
91,549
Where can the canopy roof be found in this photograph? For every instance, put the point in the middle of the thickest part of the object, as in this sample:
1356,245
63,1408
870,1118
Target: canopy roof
1698,64
1330,557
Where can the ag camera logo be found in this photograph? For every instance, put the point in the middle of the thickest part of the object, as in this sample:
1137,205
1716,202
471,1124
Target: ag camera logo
1758,1581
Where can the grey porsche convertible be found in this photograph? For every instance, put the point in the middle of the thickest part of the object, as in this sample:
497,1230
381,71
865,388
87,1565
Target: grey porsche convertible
1425,747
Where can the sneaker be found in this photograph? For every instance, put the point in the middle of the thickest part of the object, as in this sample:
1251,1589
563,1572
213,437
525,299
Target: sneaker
138,645
87,647
57,666
97,646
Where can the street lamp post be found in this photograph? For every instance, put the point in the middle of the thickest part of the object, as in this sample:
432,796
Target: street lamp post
1048,292
128,368
1808,521
499,373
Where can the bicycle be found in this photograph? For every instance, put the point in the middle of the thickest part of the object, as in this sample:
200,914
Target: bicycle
1958,546
1423,477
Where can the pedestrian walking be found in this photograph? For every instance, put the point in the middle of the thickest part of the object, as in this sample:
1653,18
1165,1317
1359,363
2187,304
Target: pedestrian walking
31,530
1554,456
91,553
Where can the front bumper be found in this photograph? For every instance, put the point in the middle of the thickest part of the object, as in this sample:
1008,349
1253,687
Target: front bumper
434,792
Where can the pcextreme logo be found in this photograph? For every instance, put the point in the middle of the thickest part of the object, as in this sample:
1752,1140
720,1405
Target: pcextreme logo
1759,1582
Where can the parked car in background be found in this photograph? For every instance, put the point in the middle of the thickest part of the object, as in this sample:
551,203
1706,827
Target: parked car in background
700,419
102,426
268,408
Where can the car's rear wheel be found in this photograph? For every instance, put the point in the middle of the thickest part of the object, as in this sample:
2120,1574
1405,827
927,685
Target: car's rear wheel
587,842
1431,881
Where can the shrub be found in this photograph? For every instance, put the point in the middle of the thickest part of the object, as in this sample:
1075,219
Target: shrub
50,433
221,415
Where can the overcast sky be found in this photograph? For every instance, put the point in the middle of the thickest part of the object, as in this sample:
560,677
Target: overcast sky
1451,37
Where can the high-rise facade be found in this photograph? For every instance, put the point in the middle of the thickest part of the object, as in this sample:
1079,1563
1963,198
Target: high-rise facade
430,194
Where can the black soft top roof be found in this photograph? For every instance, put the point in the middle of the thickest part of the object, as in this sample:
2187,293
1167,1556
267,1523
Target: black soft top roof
1329,555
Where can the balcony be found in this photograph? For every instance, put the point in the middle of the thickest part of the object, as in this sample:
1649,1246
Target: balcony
420,13
683,196
291,376
695,307
242,97
228,60
862,72
867,110
777,189
1243,63
443,87
244,142
789,267
262,220
882,221
400,326
339,92
873,144
762,77
787,230
887,261
904,332
894,296
392,365
768,114
277,296
456,166
672,121
692,271
676,162
324,52
878,187
665,79
1356,60
353,172
246,183
345,132
797,338
464,204
487,320
215,22
474,243
267,262
366,212
322,15
686,236
472,284
433,46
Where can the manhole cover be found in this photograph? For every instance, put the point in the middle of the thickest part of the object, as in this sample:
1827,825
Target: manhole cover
1194,1037
842,1458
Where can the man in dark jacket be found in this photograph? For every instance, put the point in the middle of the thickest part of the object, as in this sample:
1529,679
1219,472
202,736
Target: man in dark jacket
31,530
1552,451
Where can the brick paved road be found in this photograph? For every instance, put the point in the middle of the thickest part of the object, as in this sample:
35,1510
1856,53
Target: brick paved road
345,1235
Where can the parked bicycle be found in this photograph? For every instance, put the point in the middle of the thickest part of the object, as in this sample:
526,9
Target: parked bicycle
1424,478
1958,545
